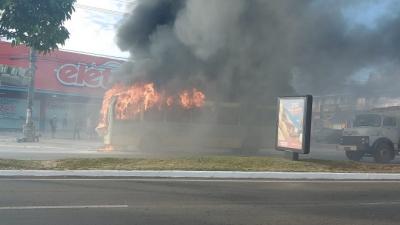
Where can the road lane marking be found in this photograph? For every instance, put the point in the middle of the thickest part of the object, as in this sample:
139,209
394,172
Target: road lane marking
380,203
61,207
161,205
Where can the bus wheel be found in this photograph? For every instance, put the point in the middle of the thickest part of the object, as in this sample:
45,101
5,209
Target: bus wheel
384,153
354,155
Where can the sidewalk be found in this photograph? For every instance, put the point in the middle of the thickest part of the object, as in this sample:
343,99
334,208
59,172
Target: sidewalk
61,143
62,137
201,174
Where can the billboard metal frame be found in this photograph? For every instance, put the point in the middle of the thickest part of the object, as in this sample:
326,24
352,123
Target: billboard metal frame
306,132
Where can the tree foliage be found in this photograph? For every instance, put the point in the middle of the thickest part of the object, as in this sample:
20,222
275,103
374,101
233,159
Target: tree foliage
38,24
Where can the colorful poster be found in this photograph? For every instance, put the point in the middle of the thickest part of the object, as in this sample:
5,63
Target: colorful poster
290,123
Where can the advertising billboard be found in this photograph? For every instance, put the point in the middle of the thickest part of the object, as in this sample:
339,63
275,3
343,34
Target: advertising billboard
294,124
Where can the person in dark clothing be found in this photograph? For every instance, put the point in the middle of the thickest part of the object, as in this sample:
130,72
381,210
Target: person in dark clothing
77,128
65,121
53,126
89,127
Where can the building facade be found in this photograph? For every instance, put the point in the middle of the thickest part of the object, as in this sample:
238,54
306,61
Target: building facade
68,86
337,111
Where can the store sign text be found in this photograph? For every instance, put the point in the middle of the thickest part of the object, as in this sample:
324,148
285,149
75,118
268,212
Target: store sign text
83,75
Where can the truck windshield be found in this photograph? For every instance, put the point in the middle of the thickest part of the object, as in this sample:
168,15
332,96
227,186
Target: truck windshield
367,120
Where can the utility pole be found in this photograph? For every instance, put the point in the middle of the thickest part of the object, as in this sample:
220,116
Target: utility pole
28,129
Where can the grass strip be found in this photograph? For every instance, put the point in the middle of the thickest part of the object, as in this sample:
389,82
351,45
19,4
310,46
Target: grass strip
205,163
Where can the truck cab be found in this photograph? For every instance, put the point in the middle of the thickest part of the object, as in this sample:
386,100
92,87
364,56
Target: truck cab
372,134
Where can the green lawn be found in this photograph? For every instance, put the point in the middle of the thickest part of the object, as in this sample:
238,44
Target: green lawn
221,163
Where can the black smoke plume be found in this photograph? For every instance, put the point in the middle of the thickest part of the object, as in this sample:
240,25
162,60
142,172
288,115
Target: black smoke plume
244,49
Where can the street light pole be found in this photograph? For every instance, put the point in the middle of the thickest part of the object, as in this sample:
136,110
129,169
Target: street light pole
28,128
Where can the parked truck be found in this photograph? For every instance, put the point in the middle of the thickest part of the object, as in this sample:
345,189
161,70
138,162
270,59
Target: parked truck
375,133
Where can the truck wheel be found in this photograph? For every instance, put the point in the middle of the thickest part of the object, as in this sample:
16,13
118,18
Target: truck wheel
384,153
354,155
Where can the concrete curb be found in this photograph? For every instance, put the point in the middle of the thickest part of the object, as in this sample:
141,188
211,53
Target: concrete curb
201,174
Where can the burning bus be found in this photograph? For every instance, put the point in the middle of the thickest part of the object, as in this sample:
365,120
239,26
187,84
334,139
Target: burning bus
142,116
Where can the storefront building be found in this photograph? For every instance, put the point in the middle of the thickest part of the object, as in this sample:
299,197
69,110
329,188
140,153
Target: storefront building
68,86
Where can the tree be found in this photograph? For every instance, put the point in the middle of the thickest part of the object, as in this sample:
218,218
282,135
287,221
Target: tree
38,24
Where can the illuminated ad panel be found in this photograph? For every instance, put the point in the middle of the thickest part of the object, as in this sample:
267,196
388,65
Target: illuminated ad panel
294,124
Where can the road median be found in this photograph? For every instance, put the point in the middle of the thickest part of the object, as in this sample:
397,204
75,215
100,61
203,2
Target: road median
205,163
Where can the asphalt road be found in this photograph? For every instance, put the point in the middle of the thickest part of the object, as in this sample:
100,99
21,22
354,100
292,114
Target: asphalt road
163,201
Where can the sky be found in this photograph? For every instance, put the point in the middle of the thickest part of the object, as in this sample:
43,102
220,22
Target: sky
368,13
94,23
93,26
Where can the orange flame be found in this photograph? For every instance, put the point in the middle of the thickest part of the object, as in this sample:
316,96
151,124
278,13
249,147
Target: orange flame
192,99
132,100
198,98
114,91
170,101
185,99
106,148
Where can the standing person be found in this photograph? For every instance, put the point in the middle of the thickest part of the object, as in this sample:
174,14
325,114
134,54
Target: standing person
77,128
89,127
65,121
53,126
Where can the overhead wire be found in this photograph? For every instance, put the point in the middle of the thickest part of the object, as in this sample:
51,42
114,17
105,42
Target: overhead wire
98,9
102,10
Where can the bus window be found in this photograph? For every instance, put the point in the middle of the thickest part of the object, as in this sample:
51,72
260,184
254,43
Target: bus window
265,117
178,115
228,116
153,115
257,116
204,115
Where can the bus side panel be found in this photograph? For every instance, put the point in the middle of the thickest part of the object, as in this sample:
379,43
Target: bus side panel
130,133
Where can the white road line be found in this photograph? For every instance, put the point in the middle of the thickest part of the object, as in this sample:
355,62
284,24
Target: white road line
62,207
199,180
380,203
229,175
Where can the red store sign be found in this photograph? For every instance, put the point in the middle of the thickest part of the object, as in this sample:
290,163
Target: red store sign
64,72
81,75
